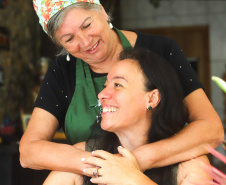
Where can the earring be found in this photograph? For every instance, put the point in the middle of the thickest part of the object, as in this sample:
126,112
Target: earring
150,107
68,57
110,24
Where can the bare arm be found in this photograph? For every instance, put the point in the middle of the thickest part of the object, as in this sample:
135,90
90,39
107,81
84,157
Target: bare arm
205,127
38,152
68,178
115,170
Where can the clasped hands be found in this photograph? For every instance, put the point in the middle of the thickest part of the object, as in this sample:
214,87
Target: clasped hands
112,168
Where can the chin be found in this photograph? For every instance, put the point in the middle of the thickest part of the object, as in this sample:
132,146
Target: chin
105,127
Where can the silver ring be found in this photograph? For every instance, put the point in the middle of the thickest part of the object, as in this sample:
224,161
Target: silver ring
96,173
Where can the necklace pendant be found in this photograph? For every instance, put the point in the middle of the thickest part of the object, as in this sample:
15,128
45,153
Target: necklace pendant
98,117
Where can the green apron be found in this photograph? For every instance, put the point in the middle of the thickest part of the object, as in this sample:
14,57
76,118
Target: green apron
84,109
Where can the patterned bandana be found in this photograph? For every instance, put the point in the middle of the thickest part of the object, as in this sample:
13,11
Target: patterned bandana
45,9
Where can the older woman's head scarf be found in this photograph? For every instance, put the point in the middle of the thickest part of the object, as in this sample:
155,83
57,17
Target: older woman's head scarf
45,9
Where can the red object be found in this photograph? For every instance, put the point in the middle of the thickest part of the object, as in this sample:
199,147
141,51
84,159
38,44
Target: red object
7,130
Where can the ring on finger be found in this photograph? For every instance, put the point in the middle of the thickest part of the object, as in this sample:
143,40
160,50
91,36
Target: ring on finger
96,173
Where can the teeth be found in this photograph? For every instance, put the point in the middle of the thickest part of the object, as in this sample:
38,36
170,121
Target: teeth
111,109
94,46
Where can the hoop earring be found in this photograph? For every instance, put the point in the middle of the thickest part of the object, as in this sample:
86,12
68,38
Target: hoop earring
68,57
149,108
110,25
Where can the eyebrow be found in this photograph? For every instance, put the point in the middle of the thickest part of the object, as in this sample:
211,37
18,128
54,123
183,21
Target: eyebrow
84,21
119,77
79,27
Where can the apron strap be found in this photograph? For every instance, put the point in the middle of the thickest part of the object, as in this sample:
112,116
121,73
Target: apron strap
92,92
83,75
125,43
80,74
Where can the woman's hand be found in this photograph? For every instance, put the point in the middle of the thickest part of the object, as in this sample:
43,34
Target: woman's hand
114,169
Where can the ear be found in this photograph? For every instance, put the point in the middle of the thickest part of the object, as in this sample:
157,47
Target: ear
154,98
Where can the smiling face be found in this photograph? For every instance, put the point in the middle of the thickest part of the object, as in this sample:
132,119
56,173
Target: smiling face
124,99
86,34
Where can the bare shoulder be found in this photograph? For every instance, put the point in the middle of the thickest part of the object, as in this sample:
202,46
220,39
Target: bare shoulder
193,171
131,36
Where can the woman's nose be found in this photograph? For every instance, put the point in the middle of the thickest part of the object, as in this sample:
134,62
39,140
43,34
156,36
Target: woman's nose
83,39
104,94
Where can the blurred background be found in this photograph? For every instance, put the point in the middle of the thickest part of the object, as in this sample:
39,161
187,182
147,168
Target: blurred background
198,26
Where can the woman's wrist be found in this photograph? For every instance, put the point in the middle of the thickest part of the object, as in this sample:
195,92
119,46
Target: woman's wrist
151,155
145,162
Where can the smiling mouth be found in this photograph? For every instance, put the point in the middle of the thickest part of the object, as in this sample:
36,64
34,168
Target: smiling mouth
94,46
110,109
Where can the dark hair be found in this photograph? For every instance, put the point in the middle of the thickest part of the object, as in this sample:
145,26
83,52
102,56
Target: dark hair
168,117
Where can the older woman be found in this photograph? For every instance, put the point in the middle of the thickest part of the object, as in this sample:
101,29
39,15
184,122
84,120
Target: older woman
134,114
68,96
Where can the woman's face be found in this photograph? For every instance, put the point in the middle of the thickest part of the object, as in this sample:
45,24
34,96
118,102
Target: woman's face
124,100
86,34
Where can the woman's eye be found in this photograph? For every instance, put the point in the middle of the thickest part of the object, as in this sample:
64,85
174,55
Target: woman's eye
70,39
118,85
88,25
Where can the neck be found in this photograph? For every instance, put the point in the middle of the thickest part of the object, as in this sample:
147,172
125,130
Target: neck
132,140
105,65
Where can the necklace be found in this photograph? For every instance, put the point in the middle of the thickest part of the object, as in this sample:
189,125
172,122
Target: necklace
98,117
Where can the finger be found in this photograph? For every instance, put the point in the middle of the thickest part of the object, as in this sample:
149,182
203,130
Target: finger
92,171
102,154
125,152
98,180
95,161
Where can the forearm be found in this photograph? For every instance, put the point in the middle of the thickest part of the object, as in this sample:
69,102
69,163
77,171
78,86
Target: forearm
188,143
42,154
